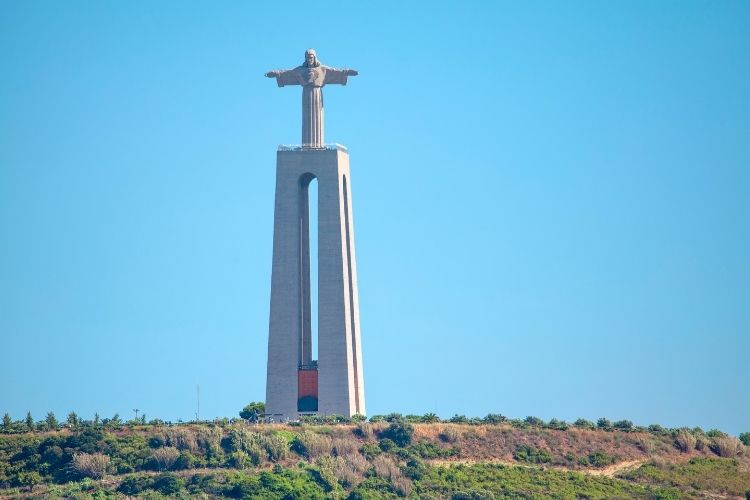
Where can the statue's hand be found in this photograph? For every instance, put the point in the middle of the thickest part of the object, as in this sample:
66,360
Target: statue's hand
273,74
352,72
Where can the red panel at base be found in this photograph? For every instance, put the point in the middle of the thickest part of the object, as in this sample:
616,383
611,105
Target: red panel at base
307,383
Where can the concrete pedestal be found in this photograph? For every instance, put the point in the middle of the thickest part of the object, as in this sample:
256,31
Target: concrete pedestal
340,381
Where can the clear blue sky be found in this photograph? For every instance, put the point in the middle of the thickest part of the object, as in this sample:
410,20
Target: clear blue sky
552,204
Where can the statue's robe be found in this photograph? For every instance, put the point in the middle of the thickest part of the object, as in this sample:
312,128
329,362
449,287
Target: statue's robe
312,79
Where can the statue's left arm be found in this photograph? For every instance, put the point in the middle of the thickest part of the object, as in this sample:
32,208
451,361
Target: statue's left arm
338,76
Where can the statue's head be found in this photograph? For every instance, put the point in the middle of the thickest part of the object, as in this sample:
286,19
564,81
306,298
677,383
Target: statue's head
311,58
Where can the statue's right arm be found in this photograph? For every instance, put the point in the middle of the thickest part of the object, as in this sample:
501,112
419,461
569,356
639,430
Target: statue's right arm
284,77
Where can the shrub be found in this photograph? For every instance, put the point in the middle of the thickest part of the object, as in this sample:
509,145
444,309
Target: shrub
311,445
604,423
458,419
531,455
386,467
715,433
534,421
745,438
600,459
684,440
168,484
132,485
345,446
93,465
623,425
399,432
560,425
363,430
165,457
582,423
402,486
726,446
276,446
186,460
657,429
494,418
645,444
370,450
387,445
449,435
239,460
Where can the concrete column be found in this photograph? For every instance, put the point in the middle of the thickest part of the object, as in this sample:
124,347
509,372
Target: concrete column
340,377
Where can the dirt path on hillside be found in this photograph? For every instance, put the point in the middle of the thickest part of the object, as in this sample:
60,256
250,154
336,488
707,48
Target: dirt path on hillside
609,471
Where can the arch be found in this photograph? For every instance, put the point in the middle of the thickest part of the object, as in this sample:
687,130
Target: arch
307,380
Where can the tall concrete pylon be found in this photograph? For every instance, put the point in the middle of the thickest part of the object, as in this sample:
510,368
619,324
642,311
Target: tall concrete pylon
297,383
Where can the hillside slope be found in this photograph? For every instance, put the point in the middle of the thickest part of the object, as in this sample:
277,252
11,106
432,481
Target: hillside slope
373,460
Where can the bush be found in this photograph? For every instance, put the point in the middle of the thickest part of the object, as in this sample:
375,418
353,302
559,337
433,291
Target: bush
449,435
726,446
604,423
399,432
534,421
657,429
276,446
745,438
168,484
165,457
582,423
132,485
531,455
186,460
311,445
600,459
684,440
559,425
494,418
363,430
93,465
623,425
345,446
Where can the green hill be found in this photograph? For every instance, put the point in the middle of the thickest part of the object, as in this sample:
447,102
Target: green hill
381,459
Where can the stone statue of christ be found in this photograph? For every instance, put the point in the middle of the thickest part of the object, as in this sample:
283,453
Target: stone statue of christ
312,76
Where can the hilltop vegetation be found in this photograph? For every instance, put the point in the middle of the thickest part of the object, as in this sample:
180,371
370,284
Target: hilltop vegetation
386,457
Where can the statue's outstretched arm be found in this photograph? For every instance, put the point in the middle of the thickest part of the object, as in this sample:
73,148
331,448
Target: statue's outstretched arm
339,76
284,77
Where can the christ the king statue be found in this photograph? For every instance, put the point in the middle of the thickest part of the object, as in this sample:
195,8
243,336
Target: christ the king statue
312,76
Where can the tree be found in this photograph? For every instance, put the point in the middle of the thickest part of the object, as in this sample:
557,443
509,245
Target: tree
7,422
604,423
96,420
253,411
73,420
29,422
51,421
430,418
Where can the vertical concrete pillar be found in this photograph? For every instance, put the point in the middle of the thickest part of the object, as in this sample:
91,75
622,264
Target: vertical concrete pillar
340,381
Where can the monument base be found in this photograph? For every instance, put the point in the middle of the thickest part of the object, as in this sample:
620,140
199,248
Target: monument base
338,379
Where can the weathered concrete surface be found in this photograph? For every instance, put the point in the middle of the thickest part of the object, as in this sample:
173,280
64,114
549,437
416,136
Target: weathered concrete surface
340,377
